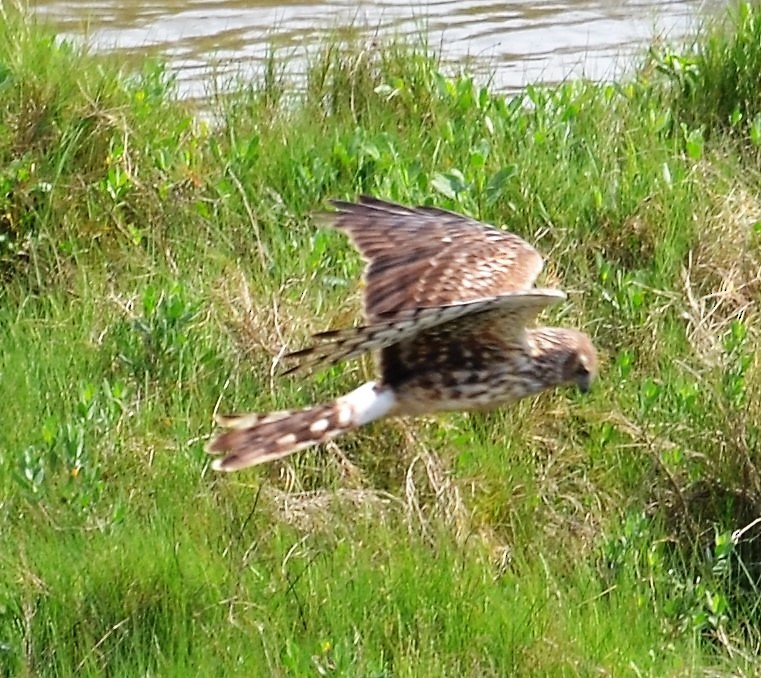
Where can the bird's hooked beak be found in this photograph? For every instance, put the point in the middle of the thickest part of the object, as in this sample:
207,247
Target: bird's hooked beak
585,372
584,382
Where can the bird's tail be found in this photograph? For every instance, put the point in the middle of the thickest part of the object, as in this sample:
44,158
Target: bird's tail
256,439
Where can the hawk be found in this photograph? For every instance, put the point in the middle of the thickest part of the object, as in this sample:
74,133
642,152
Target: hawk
446,300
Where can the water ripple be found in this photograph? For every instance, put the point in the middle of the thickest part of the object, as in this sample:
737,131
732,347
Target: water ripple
519,42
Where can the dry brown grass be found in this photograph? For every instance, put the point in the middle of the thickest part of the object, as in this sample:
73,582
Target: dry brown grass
722,276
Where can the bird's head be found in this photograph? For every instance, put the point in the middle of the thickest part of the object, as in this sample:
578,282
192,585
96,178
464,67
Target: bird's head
580,363
564,356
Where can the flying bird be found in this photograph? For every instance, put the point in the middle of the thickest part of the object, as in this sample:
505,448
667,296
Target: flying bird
447,301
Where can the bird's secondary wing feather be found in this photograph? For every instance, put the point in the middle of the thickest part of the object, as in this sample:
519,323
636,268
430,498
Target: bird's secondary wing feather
338,345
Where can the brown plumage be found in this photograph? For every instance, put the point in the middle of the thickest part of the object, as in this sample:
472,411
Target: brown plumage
447,300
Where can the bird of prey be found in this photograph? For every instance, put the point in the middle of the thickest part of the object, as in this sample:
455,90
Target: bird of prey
447,301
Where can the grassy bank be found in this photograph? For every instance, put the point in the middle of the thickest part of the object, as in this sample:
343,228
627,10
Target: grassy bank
153,265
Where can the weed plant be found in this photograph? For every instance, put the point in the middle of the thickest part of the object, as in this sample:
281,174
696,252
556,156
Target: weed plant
154,266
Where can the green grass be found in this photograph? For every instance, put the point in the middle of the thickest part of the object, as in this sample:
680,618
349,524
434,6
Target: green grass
152,266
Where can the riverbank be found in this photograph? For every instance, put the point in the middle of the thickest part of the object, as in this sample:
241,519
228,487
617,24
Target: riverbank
153,265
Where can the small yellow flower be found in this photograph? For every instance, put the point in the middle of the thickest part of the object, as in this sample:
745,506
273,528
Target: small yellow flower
326,646
75,472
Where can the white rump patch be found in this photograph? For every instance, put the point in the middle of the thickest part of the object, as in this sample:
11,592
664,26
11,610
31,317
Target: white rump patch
365,404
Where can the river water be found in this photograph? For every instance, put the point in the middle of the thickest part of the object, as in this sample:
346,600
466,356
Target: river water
517,42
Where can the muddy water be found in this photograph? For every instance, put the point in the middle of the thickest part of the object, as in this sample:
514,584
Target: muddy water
519,41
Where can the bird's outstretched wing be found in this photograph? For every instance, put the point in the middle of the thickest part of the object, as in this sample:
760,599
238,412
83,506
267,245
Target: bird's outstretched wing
512,311
425,257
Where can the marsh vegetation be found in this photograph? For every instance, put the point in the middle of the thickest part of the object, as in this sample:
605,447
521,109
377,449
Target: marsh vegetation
154,264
